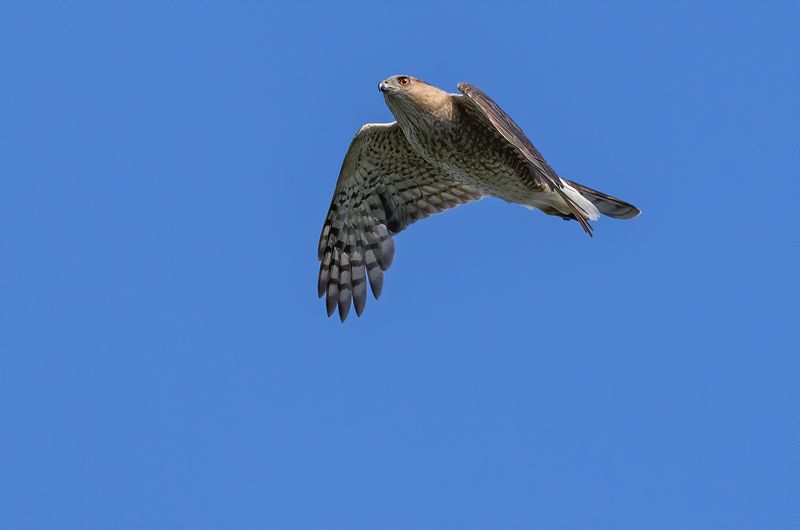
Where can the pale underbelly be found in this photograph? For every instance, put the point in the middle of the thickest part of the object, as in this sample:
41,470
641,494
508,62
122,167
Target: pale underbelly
509,187
490,171
501,183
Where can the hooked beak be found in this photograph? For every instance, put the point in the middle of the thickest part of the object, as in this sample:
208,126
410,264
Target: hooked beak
382,86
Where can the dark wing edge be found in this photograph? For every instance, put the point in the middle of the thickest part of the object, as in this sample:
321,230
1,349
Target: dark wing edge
509,130
383,187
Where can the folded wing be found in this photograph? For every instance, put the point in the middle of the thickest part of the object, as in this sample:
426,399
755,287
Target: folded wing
503,124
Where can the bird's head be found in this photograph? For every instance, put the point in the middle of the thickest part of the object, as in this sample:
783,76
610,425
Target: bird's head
405,94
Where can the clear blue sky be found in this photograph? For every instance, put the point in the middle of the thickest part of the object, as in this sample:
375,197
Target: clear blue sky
166,168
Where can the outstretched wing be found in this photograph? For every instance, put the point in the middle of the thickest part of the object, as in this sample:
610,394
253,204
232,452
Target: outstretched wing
383,187
509,130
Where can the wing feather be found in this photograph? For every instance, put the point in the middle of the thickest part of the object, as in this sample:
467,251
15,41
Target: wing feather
509,130
383,187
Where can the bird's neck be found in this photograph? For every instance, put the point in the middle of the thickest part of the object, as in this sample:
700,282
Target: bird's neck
437,103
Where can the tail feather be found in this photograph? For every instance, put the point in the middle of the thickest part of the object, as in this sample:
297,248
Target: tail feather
582,209
608,205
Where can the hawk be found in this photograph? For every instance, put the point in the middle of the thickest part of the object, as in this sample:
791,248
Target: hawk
444,150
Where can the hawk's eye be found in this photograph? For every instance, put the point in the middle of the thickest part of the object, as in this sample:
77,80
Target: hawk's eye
403,81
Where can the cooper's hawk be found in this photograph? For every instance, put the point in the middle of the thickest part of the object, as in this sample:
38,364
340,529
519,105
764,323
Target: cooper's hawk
443,150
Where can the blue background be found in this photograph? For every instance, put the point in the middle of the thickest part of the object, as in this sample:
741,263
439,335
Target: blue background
166,168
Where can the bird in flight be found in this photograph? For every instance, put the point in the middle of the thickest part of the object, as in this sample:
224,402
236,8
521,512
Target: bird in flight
444,150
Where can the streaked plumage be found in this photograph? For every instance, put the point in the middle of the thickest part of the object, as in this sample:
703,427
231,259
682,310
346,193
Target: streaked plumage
444,150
